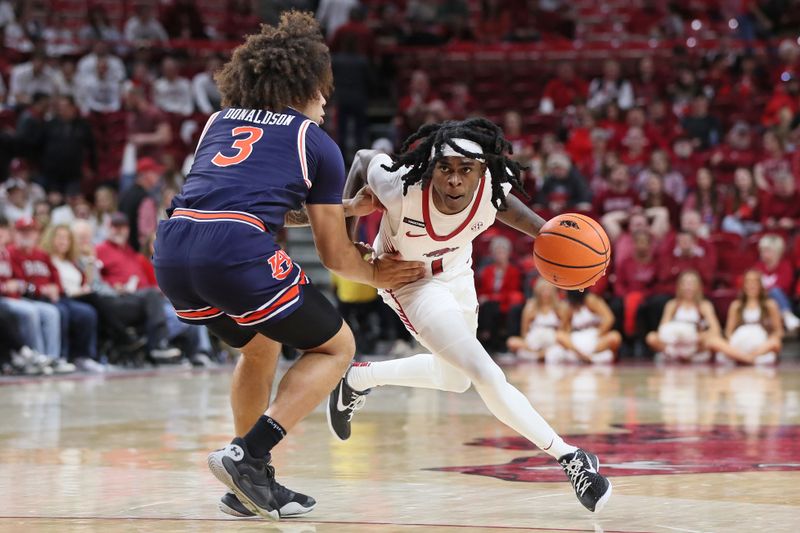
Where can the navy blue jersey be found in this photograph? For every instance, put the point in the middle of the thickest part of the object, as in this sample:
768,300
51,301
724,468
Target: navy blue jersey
264,164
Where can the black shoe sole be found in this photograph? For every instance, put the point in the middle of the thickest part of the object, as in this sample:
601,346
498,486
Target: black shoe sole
228,510
227,478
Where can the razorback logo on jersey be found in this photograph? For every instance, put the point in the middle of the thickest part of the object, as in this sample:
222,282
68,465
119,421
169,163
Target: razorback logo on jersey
441,252
476,226
653,449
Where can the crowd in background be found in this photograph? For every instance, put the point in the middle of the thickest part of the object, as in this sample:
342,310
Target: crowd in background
691,162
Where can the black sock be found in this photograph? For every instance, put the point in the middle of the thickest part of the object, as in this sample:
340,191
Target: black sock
264,436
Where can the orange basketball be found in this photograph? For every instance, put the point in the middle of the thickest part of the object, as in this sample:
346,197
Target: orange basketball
572,251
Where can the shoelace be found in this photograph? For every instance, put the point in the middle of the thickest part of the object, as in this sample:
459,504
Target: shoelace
278,489
577,475
355,404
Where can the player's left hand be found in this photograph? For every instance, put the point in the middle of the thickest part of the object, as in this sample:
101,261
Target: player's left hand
364,203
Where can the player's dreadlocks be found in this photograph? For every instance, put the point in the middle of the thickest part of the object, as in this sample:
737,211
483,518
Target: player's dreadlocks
479,130
279,66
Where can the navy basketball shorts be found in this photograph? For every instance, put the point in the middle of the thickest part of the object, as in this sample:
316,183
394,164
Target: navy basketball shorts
223,269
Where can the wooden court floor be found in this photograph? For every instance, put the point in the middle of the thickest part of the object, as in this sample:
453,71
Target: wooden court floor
688,450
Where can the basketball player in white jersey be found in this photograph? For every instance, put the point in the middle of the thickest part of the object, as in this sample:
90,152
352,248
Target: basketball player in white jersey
448,185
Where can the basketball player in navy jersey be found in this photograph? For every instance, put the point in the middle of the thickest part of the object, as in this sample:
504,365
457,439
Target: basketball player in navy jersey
259,160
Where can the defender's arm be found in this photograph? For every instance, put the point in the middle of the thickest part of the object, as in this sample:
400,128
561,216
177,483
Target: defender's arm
355,204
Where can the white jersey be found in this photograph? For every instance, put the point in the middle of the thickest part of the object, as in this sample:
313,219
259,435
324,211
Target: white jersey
417,230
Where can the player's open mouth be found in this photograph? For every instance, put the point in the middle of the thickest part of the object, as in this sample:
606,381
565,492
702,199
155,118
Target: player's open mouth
451,197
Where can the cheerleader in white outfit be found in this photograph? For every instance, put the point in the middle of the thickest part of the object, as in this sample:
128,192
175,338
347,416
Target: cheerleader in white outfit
754,328
585,334
540,321
688,324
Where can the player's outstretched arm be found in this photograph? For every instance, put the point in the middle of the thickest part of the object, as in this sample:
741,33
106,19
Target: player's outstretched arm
340,255
520,217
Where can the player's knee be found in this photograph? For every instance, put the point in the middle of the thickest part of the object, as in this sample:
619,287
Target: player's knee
486,374
342,345
455,382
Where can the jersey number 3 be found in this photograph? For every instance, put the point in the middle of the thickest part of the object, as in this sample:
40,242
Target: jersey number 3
281,264
245,146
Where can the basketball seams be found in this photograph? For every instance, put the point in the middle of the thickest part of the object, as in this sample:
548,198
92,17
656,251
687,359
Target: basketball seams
568,266
591,223
598,252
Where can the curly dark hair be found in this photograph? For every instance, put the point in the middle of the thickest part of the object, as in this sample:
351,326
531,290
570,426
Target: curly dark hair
279,66
480,130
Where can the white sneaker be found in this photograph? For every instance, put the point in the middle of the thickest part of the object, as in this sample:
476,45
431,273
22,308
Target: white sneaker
790,321
91,366
61,366
769,358
602,358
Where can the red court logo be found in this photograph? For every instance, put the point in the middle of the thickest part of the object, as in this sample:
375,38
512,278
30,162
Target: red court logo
654,449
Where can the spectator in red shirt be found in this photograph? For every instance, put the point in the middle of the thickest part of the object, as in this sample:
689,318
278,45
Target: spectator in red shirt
685,159
785,96
355,29
707,200
692,223
654,221
564,90
646,86
148,128
777,276
674,182
781,206
743,207
460,105
521,143
654,195
614,205
78,320
122,269
638,271
499,288
414,108
736,152
580,145
240,19
773,162
634,281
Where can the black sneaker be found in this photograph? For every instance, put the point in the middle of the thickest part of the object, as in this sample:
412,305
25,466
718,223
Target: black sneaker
291,503
251,479
592,489
342,403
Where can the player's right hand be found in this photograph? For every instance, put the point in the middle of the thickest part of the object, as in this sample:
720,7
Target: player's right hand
391,272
